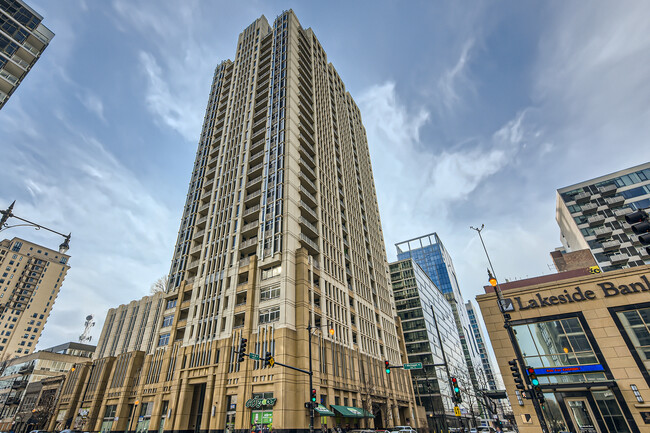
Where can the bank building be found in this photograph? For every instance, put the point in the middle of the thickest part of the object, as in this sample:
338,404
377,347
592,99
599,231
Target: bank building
586,338
280,233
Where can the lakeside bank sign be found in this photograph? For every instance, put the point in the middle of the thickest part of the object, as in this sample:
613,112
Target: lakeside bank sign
607,288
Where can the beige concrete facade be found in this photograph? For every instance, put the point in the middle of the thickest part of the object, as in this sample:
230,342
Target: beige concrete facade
131,327
30,279
591,330
19,373
203,386
280,231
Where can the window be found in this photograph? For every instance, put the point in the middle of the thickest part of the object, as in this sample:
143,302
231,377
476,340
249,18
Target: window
270,315
168,320
637,327
271,272
163,340
267,293
171,303
557,343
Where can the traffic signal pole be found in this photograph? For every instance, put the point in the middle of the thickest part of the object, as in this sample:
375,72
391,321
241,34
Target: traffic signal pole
311,384
511,335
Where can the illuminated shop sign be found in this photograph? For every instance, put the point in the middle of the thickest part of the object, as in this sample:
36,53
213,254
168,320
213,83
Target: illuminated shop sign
257,402
606,289
567,369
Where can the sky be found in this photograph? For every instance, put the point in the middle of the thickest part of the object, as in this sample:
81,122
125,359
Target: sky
475,112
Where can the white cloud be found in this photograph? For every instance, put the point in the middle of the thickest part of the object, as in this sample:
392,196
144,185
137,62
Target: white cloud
454,77
92,103
74,184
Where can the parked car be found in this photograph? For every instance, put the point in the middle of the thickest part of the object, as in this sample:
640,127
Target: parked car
403,429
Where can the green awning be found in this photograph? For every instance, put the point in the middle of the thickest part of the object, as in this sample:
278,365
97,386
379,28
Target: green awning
352,412
323,411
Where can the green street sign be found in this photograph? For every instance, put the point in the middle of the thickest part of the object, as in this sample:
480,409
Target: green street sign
413,366
254,356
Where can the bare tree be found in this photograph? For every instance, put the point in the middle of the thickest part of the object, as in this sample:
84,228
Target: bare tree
160,285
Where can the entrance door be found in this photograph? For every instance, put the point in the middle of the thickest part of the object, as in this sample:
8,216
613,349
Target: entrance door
582,416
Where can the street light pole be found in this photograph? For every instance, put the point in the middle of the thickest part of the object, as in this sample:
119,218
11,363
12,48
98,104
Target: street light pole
508,326
8,213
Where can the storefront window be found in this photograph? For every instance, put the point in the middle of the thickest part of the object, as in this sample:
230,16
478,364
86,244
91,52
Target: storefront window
610,411
557,343
553,414
637,326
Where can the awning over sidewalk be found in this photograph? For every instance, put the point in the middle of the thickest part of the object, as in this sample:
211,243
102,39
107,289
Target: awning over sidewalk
323,411
352,412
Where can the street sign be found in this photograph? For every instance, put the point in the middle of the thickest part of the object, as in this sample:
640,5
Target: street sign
413,366
456,411
254,356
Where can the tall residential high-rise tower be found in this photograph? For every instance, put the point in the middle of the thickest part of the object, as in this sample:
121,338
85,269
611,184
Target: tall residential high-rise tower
591,215
30,279
22,40
280,232
429,252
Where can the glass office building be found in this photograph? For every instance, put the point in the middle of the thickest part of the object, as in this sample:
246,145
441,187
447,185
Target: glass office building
416,299
430,254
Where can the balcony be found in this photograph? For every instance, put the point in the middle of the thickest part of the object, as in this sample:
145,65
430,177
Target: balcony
260,124
611,245
307,169
251,211
253,196
619,259
311,214
308,157
307,195
256,170
603,233
254,181
596,220
256,158
193,265
620,213
250,227
258,135
198,234
589,208
583,197
248,245
309,226
607,190
304,179
310,244
615,201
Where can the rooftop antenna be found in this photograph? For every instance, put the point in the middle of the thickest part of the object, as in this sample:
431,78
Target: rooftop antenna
85,337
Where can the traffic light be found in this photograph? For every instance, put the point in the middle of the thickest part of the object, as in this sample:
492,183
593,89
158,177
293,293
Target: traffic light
514,368
534,381
454,385
313,396
268,360
242,350
640,226
387,366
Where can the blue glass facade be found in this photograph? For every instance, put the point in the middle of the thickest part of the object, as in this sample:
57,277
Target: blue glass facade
429,252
